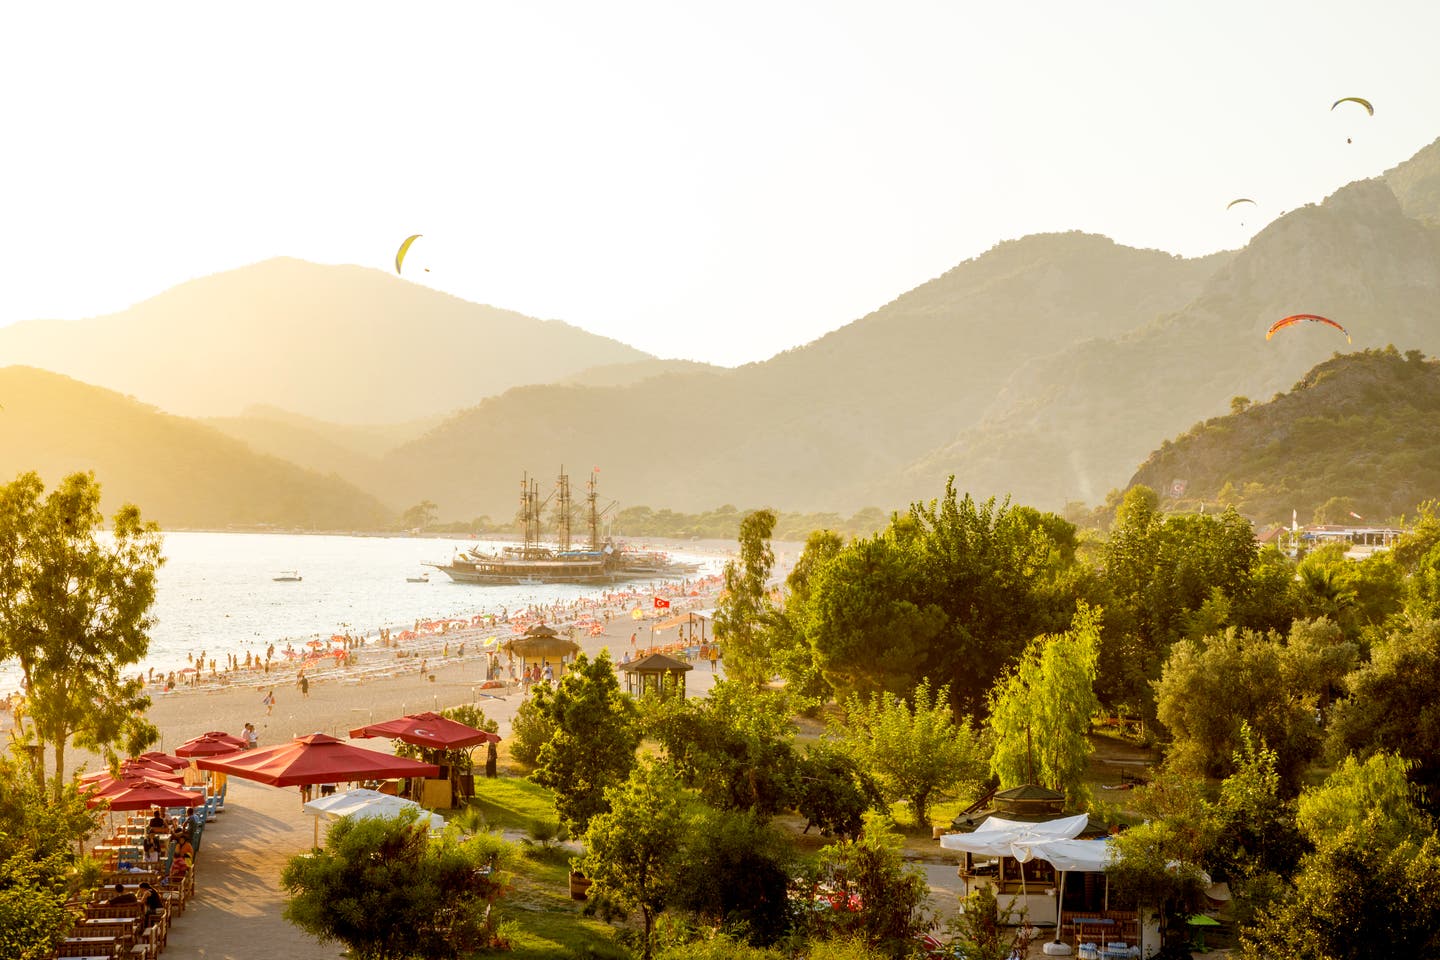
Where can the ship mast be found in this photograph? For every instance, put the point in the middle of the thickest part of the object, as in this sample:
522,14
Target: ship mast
594,514
562,509
530,513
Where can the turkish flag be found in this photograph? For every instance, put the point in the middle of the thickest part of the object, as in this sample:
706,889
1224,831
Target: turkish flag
661,603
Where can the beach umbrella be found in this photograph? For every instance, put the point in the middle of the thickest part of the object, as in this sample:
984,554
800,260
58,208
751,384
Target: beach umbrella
142,794
428,729
130,769
210,745
318,758
156,757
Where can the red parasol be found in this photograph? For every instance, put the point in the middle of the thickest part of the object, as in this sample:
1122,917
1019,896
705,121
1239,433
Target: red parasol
130,769
428,730
318,758
212,744
164,759
142,794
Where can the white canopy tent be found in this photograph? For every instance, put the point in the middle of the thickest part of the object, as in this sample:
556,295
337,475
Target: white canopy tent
366,803
1052,841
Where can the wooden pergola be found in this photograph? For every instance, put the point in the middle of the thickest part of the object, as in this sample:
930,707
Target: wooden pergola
665,674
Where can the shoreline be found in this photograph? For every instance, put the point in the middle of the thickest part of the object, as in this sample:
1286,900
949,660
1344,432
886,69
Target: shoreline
381,680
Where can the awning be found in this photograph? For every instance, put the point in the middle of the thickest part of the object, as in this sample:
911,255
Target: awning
998,837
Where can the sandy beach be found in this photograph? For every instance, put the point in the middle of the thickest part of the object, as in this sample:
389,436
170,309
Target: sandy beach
236,913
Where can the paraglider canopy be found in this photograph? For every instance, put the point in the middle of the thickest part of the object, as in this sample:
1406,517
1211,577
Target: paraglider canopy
404,249
1279,325
1364,103
1240,200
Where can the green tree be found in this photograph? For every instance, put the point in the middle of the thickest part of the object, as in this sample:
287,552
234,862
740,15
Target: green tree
1256,822
1394,705
1040,714
833,792
1162,570
983,931
634,850
1371,888
39,866
388,890
420,516
531,728
794,656
1152,867
75,612
951,591
736,746
744,611
878,897
1209,688
914,748
867,596
593,746
738,874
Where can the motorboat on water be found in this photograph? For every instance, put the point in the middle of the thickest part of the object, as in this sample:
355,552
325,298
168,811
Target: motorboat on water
288,576
423,578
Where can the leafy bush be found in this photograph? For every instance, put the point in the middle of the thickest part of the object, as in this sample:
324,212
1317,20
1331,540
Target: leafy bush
530,730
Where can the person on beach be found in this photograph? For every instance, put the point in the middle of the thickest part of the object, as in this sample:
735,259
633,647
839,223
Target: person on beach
122,897
269,701
304,685
185,850
154,904
252,739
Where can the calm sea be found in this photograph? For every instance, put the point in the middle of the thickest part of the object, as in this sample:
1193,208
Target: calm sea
216,592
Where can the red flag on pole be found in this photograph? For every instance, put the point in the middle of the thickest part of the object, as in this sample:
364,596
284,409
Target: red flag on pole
661,603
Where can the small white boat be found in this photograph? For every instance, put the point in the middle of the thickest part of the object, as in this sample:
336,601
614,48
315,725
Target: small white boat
288,576
423,578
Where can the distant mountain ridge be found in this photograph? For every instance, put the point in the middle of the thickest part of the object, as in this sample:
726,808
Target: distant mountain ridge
179,472
1069,426
817,426
1046,369
342,343
1359,432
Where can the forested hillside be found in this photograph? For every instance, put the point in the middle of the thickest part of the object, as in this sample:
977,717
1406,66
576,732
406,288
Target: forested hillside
1360,433
181,473
1072,425
824,426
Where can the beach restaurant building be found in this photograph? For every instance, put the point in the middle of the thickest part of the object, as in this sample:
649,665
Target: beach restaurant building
1038,859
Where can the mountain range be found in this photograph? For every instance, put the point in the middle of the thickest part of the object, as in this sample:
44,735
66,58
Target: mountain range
1047,368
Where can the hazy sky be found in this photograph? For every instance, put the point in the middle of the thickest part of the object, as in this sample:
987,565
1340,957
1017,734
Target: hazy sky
714,181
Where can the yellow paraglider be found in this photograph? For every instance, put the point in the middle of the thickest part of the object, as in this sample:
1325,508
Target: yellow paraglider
1241,200
404,249
1364,103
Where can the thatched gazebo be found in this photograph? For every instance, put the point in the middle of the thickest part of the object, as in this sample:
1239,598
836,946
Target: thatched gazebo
664,674
542,643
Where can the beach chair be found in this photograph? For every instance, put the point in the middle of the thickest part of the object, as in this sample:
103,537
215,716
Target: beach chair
147,945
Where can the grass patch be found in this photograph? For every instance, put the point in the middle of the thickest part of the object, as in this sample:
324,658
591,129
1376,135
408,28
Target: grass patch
543,922
513,803
547,923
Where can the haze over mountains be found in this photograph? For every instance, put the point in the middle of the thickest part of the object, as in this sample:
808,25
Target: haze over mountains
343,343
1047,368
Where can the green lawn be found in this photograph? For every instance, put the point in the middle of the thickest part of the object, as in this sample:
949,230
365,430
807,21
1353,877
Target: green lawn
547,924
513,802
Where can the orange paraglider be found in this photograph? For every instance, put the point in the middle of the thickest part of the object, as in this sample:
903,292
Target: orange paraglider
1279,325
